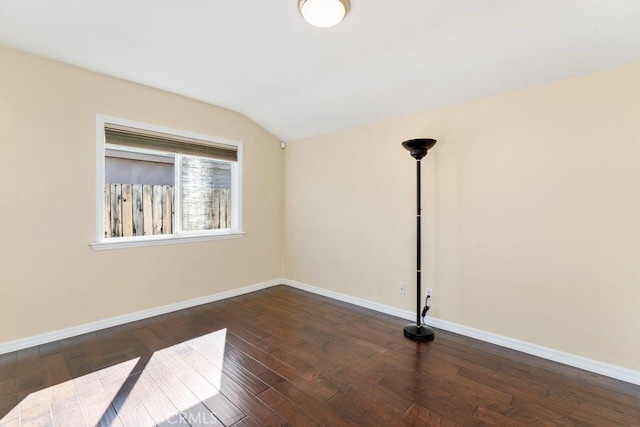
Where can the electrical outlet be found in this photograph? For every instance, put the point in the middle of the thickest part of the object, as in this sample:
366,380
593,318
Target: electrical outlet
401,289
430,293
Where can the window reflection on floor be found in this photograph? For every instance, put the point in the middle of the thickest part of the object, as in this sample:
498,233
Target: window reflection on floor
177,385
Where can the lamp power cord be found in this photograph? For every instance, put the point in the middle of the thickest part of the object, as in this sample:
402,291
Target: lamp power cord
425,309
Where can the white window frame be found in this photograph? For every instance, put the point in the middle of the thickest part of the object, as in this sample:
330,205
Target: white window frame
103,243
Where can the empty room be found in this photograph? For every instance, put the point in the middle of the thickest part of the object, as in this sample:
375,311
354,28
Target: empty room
319,212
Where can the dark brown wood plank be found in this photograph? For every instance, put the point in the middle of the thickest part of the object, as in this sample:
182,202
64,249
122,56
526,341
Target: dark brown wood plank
360,409
256,409
71,348
136,417
304,400
37,415
196,415
10,410
8,387
371,387
67,412
55,369
424,415
284,357
8,365
291,412
49,348
490,417
101,415
212,398
119,390
90,392
154,400
30,374
609,383
246,422
320,388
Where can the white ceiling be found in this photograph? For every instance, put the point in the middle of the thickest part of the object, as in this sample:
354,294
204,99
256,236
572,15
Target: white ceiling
387,58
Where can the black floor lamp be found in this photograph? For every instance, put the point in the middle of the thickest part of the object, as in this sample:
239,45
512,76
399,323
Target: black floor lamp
418,149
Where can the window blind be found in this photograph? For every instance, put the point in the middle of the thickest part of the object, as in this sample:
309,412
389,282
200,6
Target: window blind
140,138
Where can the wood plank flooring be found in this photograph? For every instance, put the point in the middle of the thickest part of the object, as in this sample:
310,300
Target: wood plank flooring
284,357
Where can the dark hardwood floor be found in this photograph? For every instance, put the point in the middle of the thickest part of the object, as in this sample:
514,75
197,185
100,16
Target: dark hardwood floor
286,357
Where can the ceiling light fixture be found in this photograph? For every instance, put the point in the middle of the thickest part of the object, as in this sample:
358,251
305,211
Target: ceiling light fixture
323,13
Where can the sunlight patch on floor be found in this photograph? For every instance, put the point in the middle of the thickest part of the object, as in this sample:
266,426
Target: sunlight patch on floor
176,385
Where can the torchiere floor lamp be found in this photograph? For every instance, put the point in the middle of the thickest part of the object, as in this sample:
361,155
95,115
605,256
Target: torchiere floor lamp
418,149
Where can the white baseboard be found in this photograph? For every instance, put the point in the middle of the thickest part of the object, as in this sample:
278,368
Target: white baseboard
404,314
126,318
590,365
580,362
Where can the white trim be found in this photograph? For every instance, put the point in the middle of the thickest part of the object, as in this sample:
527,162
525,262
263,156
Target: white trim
237,191
162,239
131,317
574,360
580,362
382,308
178,236
176,224
100,170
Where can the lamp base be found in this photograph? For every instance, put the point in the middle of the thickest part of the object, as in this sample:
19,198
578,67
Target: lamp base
423,333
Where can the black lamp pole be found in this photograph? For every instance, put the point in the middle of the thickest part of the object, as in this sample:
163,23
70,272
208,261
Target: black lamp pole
418,149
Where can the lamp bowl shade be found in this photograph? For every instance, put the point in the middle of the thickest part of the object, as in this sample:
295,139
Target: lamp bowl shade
419,147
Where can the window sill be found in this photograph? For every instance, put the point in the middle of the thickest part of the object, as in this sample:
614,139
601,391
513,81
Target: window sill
137,242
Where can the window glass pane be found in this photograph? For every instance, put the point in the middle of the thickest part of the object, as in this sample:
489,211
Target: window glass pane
206,194
139,193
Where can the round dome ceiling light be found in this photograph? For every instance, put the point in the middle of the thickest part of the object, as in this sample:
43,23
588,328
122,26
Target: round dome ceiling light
323,13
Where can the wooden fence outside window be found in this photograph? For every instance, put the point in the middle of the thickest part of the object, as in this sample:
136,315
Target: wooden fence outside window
143,210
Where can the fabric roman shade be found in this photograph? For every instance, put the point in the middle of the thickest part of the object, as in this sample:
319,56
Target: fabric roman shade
140,138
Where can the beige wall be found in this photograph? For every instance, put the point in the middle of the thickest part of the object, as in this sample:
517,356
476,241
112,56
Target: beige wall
49,277
531,204
531,199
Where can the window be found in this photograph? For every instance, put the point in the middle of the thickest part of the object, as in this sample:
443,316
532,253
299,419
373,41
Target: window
157,185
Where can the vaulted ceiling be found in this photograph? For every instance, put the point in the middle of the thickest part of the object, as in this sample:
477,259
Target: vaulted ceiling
387,58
